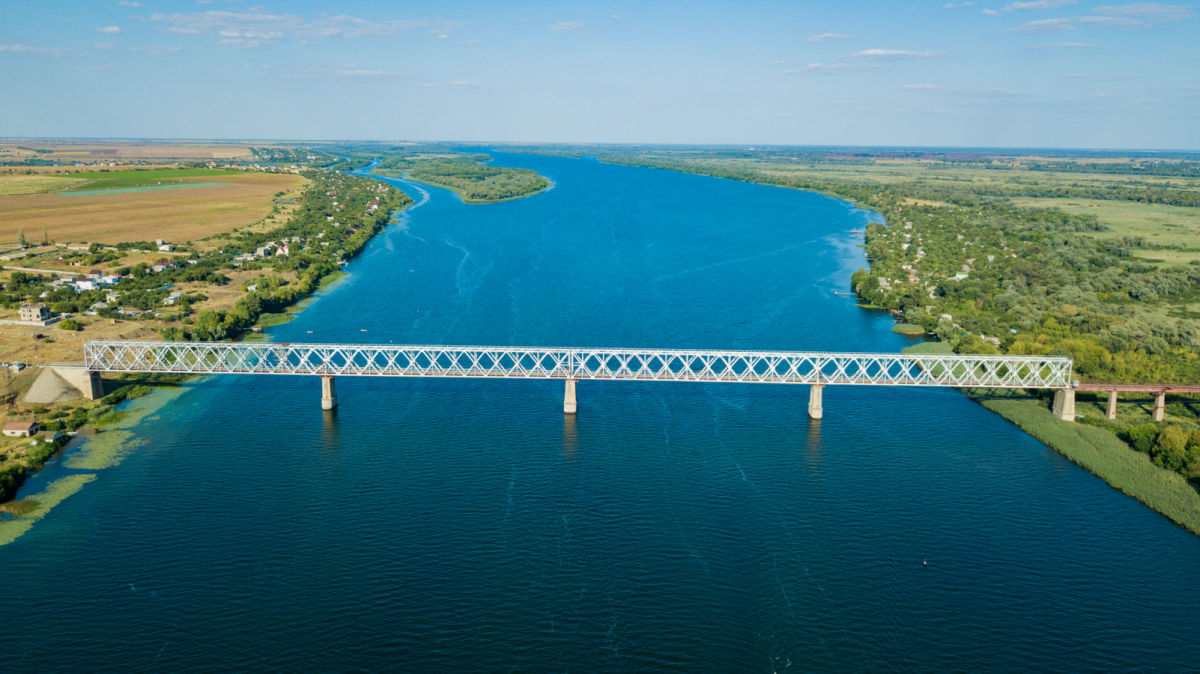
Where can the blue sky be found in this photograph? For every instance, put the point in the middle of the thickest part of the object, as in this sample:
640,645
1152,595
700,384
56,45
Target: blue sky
1034,73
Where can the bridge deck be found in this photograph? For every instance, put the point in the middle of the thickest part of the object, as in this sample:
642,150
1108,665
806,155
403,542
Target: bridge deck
1137,388
773,367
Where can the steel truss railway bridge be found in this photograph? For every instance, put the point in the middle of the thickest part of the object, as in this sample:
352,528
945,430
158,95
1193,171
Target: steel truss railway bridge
815,369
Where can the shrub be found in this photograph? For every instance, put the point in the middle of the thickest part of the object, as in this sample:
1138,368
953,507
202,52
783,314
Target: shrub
1141,437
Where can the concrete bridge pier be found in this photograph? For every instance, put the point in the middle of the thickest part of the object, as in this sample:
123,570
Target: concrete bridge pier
1064,404
569,405
328,393
1112,404
1160,406
815,410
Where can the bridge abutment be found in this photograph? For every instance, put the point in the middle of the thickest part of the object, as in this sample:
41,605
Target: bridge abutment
569,405
1064,404
815,408
328,394
1160,406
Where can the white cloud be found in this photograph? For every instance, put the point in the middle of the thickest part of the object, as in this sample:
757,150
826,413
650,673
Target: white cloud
1149,11
155,50
28,49
895,54
1043,26
830,68
825,37
252,29
563,26
348,72
110,30
1111,21
1036,5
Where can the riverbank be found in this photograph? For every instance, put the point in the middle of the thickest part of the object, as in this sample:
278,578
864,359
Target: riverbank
272,301
1094,449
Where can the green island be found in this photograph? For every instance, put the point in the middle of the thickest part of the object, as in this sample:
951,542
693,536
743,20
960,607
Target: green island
466,175
1090,255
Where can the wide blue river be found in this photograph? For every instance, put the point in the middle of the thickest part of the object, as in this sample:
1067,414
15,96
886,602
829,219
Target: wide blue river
441,525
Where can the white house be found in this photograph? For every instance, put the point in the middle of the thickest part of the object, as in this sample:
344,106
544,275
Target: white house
21,429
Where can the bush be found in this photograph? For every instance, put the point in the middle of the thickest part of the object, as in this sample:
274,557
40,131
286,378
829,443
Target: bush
1170,448
1141,437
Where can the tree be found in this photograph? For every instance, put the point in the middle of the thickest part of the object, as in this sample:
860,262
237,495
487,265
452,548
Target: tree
1142,437
1170,448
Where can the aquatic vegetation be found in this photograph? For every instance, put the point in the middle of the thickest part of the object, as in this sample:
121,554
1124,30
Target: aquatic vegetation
54,493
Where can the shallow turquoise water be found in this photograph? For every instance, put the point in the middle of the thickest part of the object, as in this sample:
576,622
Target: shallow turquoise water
434,525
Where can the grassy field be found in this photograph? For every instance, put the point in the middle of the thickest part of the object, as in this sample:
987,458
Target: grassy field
174,215
1156,223
13,185
112,180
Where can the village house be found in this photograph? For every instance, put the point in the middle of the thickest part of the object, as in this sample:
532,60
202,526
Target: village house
50,437
21,429
34,312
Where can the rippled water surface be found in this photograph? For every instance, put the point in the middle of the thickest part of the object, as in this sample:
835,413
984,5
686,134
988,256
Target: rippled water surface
469,525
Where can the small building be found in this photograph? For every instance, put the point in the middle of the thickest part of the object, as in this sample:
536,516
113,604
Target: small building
21,429
34,312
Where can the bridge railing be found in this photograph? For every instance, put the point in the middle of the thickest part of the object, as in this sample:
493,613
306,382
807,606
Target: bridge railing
778,367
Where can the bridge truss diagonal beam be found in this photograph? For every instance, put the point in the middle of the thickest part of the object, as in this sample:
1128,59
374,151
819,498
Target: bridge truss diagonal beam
764,367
